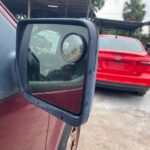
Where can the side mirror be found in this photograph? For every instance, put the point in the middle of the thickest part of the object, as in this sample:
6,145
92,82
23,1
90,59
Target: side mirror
56,62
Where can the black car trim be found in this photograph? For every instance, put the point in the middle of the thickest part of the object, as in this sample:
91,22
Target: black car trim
122,87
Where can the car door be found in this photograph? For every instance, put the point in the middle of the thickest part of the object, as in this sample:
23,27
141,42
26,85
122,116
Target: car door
33,89
22,124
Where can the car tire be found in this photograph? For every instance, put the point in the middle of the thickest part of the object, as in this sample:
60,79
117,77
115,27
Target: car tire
140,93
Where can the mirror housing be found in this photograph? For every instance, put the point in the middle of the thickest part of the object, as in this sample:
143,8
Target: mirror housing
71,105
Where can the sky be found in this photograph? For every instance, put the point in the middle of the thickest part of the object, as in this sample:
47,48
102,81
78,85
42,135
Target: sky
113,10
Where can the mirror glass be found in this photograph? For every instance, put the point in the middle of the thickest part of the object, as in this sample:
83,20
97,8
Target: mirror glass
55,70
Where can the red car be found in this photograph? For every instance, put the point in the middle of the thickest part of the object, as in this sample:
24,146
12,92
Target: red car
123,63
41,103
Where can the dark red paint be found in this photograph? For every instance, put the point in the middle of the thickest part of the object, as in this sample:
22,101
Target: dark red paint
69,100
25,126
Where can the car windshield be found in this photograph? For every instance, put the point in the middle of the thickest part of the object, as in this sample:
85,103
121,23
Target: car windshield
117,43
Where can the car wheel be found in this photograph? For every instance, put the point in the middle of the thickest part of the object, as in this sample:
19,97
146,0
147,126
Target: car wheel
141,93
73,138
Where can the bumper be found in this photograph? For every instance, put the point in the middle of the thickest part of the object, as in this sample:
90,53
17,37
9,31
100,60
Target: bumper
142,80
119,86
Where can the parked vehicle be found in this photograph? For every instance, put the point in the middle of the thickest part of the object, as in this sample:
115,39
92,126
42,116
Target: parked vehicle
46,86
123,64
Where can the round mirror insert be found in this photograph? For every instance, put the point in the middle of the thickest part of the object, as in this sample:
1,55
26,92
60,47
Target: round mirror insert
73,48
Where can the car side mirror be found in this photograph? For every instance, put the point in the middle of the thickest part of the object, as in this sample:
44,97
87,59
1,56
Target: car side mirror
56,62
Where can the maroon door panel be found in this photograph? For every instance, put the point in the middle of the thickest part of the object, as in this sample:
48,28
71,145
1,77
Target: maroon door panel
24,126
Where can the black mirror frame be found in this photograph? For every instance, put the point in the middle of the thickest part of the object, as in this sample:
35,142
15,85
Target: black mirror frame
23,35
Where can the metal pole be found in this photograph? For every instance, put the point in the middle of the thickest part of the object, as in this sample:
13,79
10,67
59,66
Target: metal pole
149,33
29,9
67,1
89,9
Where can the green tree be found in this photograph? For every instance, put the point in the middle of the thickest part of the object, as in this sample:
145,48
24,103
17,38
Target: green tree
134,11
97,4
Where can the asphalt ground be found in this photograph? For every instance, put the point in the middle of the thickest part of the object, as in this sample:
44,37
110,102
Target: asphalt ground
119,121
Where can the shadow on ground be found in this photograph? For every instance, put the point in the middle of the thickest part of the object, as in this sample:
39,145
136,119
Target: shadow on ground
107,98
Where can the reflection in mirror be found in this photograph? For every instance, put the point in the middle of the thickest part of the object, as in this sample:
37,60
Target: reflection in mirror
51,77
148,48
73,48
